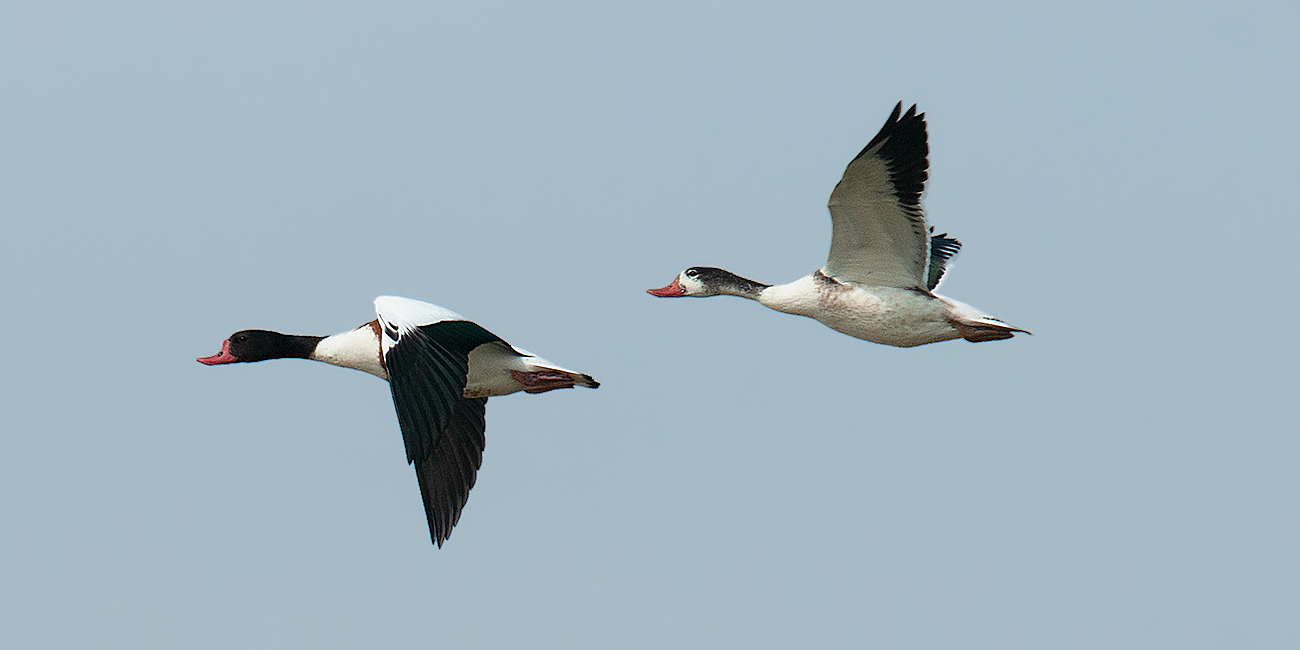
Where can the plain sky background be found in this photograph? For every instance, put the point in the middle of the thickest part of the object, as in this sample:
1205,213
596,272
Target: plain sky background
1122,176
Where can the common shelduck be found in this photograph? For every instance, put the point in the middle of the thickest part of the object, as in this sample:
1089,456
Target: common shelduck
441,369
878,282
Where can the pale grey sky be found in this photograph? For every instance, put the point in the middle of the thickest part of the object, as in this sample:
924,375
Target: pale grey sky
1121,175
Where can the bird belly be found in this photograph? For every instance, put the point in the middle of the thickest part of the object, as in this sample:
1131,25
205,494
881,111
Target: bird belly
489,371
885,315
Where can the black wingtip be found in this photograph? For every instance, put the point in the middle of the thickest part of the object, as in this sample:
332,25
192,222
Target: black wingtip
902,126
901,144
448,474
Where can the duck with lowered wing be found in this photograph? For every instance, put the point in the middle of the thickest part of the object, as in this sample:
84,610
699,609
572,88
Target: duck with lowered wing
441,368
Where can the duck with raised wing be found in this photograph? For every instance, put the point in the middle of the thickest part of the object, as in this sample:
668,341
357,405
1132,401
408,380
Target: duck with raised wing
441,368
885,262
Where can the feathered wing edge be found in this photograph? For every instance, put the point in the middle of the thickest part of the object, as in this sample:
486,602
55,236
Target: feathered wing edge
451,468
942,249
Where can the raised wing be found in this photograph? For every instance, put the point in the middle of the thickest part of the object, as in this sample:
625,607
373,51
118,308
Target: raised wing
880,236
447,475
942,249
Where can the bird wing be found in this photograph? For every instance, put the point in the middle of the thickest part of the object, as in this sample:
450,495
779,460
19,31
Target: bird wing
880,236
428,366
449,472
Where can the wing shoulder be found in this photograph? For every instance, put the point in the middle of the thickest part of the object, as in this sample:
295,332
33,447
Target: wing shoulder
426,350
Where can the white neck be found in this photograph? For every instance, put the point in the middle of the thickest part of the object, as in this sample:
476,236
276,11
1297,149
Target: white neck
800,297
358,349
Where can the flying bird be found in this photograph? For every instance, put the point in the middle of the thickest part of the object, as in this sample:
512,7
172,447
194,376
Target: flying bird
885,261
441,368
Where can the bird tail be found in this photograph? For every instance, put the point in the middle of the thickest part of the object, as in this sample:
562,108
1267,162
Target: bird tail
543,368
986,328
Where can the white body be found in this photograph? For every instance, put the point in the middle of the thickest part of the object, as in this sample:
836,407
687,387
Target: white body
886,315
878,280
489,364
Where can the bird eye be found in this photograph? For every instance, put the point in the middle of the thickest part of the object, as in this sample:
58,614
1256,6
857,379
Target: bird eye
692,273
